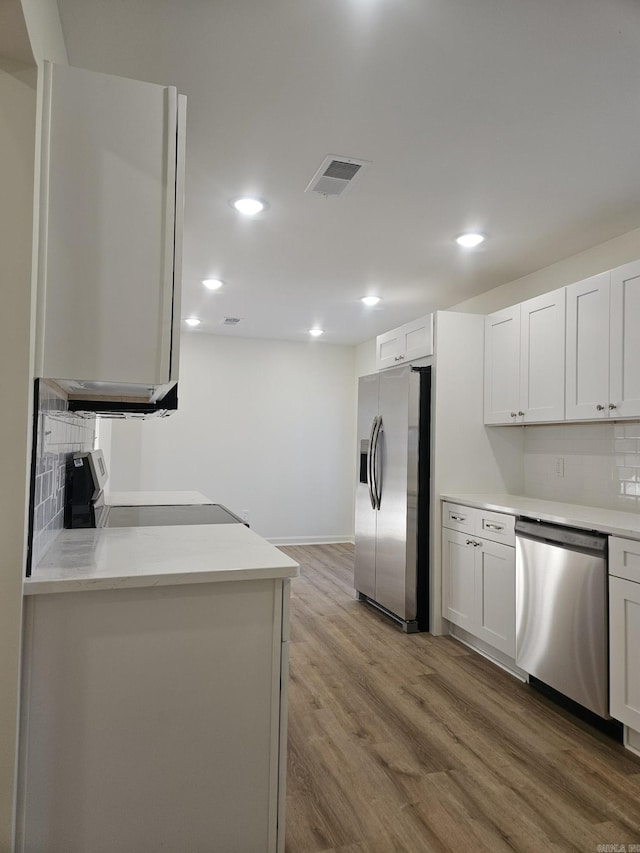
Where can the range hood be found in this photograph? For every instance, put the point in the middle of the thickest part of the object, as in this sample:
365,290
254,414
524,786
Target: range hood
120,400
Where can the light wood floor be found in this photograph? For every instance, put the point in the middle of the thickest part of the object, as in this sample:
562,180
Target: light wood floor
415,743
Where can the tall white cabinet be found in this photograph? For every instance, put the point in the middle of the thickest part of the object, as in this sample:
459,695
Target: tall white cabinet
109,264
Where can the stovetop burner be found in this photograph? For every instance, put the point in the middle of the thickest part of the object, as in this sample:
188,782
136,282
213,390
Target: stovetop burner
160,516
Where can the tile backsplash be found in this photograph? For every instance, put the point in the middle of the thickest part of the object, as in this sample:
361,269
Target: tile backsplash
60,434
600,462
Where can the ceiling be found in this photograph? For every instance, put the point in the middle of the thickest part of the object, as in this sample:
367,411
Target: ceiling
520,118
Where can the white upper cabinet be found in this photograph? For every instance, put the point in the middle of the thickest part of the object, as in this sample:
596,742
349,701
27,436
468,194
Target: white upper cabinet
502,367
524,361
407,343
109,267
542,343
624,363
588,348
603,345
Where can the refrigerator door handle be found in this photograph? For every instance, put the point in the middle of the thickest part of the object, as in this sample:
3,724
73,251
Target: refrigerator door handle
376,465
370,461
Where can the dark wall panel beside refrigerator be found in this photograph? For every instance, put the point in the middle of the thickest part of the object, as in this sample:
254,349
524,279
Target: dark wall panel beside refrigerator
392,496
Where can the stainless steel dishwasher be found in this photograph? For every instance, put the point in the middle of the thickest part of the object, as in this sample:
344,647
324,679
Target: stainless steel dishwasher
561,610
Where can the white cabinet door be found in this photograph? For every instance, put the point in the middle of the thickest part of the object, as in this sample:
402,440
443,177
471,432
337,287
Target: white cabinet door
458,579
418,338
502,367
542,336
624,391
495,595
389,349
587,360
624,651
108,267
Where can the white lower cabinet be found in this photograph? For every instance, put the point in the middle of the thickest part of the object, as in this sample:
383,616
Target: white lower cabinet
478,576
155,719
458,579
624,631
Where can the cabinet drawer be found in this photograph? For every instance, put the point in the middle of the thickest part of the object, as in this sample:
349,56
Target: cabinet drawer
496,526
624,558
457,517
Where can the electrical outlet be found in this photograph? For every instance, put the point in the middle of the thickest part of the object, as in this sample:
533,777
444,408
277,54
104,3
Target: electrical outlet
559,466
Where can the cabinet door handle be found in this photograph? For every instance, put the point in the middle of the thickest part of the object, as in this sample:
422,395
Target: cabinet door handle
458,518
599,408
477,544
612,406
521,414
469,542
494,526
514,414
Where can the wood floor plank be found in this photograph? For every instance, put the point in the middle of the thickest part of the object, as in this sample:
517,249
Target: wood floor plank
415,744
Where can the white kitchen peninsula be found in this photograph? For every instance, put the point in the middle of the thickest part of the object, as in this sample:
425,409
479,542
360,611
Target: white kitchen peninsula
154,694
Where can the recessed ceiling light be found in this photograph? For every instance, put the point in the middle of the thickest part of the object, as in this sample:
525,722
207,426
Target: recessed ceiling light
370,300
192,321
212,283
315,332
470,240
248,206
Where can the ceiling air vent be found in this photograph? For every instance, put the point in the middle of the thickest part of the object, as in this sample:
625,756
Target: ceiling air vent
231,321
336,175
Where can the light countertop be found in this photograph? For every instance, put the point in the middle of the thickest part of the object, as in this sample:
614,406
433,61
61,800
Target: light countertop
155,499
614,522
128,557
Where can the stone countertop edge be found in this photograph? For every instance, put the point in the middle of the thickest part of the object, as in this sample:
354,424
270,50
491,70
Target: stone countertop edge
134,557
612,521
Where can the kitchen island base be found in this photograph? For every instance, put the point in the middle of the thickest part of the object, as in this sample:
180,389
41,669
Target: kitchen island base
155,719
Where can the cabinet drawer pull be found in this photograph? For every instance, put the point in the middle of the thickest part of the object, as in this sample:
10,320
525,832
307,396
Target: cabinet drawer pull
521,414
457,517
612,406
494,526
599,408
477,544
514,414
469,542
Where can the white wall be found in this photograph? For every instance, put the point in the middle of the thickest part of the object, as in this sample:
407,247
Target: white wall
605,256
262,426
18,130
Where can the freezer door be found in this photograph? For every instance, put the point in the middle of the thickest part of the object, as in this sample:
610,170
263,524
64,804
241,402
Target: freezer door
398,449
365,516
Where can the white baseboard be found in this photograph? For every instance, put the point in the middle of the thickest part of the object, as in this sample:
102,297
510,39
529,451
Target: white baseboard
310,540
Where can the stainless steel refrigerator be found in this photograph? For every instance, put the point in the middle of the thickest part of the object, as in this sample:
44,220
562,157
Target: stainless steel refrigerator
392,495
